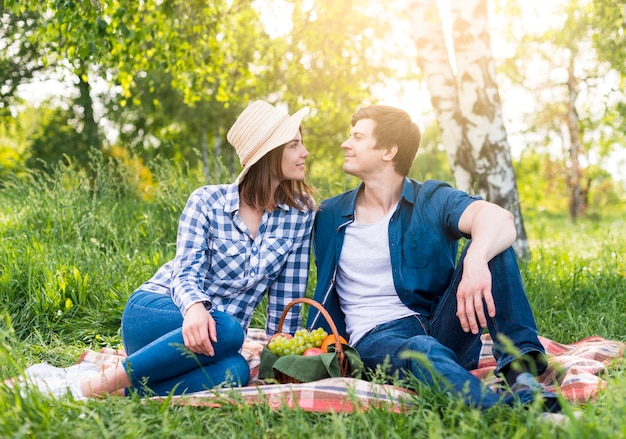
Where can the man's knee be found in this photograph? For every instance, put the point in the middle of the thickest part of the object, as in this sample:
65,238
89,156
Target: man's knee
505,262
425,344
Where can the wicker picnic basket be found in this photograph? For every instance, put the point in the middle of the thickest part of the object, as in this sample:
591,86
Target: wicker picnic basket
344,364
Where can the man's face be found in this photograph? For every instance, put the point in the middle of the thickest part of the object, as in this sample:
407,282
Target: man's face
360,157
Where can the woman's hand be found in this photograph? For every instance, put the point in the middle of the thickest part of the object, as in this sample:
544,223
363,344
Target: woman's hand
199,331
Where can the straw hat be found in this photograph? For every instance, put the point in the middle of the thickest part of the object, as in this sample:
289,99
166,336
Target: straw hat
260,128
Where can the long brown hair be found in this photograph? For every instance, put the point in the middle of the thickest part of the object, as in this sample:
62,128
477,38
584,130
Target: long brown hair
256,187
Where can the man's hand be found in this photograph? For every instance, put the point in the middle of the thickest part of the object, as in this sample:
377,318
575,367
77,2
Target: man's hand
475,286
492,229
199,331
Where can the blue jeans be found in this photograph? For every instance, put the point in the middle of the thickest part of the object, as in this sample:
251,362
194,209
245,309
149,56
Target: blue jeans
158,362
451,351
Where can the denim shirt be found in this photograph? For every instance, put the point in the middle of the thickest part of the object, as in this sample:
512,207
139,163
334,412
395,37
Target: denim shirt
423,245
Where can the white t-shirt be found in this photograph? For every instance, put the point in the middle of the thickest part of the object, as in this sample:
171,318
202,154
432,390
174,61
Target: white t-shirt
364,281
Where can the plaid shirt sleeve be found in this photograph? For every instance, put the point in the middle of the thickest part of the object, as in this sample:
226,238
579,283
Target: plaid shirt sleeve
191,264
291,283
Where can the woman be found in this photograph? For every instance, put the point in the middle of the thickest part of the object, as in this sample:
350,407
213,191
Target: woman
182,329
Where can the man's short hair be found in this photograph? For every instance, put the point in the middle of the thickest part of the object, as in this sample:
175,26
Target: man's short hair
393,127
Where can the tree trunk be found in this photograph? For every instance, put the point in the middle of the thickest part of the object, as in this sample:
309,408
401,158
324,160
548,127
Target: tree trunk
90,127
577,202
493,176
434,63
204,147
467,106
219,160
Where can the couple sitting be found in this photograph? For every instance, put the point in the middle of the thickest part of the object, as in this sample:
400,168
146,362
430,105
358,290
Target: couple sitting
386,257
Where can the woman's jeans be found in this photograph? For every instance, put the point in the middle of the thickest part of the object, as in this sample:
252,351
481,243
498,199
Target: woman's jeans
158,362
451,351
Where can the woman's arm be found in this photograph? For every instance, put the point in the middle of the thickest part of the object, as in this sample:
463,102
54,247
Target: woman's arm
291,283
191,264
189,273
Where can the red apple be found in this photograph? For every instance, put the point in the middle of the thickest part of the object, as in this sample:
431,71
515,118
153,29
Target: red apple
312,351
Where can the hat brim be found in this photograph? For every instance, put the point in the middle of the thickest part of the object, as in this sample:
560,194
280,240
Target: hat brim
286,132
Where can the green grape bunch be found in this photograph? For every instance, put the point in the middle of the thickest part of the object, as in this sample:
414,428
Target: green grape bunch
303,339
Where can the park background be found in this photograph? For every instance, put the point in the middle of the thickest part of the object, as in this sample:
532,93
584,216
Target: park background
112,112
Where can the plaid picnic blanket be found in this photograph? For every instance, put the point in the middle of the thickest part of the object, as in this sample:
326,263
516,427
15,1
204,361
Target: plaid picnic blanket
575,370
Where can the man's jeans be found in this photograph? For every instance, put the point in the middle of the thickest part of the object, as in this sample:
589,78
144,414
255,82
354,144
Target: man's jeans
157,360
451,351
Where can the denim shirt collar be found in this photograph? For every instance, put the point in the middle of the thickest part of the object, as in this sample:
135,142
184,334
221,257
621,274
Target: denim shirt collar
347,210
409,191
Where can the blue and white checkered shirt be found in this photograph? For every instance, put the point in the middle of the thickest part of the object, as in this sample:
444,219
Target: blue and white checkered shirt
218,261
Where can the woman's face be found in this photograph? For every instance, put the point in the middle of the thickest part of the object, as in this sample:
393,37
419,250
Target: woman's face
294,156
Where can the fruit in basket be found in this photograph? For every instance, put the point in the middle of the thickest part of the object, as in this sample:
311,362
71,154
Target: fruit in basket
312,351
279,334
284,344
330,340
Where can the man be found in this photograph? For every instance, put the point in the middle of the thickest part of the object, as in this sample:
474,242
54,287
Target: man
385,255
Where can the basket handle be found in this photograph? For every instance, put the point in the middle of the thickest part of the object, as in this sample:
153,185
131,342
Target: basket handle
320,308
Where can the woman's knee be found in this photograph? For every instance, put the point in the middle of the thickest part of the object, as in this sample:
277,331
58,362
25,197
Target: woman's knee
146,317
238,371
230,334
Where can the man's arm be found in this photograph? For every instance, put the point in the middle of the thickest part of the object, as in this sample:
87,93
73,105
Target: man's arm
492,229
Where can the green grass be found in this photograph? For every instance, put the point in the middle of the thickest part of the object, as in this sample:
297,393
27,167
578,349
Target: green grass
74,248
577,278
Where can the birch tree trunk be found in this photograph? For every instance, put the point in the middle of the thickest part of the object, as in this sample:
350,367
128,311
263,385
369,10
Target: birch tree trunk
434,63
467,104
493,176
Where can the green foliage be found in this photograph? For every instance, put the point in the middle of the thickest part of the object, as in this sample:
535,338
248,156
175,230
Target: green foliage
64,37
181,71
609,27
13,133
541,183
11,163
431,162
542,187
200,48
331,62
579,100
19,57
56,139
